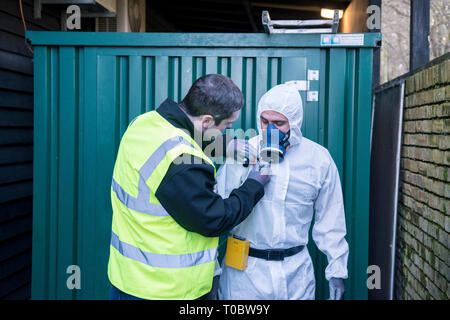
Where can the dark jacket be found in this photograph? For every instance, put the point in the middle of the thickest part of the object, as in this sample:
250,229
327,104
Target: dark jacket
187,194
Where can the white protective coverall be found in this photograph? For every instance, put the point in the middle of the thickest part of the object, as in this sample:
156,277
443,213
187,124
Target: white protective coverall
306,180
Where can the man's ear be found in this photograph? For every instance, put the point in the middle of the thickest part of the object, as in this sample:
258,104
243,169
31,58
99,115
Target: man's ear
207,121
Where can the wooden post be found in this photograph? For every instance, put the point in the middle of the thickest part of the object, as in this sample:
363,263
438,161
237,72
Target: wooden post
419,32
376,52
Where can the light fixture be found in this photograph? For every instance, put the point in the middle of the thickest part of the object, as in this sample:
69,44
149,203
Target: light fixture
329,13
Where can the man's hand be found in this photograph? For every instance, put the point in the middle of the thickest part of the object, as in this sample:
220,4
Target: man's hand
240,150
256,174
337,288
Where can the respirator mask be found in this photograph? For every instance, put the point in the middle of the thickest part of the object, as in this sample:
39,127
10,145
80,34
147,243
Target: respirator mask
274,144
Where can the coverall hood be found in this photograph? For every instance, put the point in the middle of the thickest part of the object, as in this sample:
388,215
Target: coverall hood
284,99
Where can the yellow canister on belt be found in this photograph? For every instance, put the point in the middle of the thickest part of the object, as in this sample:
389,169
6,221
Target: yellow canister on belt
236,255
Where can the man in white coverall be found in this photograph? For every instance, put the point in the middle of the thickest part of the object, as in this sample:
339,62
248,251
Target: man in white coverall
306,180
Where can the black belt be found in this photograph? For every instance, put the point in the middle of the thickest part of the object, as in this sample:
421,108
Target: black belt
274,254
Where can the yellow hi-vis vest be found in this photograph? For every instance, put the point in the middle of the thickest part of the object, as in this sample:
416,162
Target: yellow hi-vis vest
151,255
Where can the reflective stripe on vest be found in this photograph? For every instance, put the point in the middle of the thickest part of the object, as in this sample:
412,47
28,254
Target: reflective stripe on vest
138,204
163,260
142,202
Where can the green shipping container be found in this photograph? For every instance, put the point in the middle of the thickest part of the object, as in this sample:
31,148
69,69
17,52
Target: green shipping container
89,86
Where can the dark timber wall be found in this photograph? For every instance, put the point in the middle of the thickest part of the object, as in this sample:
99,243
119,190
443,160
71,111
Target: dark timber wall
16,145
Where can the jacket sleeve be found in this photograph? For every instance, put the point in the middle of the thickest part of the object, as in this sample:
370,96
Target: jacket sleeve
329,226
187,194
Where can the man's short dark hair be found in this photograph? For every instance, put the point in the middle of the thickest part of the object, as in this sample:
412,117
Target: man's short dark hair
213,94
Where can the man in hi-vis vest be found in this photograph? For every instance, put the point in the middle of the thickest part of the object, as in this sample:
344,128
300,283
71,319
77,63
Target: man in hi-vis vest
166,216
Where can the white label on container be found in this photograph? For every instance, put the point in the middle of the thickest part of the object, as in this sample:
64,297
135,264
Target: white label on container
342,39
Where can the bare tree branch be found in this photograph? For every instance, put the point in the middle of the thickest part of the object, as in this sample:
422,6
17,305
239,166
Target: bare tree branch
396,27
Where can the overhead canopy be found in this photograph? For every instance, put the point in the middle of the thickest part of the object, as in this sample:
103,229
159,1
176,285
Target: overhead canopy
237,15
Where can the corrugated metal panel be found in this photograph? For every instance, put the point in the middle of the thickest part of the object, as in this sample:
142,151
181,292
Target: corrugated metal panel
89,86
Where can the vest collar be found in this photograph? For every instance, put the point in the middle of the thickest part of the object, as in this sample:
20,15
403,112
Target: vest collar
170,111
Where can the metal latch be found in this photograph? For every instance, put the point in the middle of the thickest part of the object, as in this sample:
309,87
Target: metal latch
304,85
300,26
312,96
300,85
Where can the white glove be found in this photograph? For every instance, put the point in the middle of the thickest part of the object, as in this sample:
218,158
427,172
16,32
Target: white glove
241,151
337,288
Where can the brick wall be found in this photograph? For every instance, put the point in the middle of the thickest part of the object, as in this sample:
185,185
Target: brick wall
422,247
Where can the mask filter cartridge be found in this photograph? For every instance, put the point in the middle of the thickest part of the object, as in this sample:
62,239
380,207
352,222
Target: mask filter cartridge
274,144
